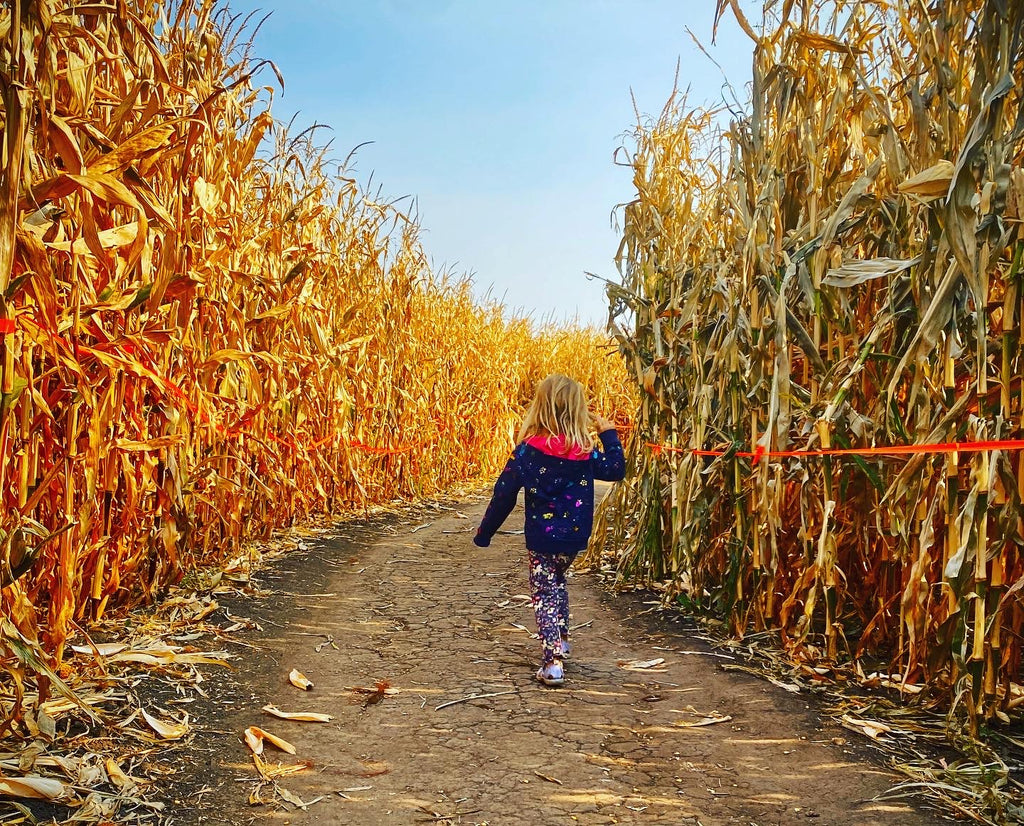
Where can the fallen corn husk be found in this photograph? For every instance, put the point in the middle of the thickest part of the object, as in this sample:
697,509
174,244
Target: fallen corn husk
301,716
300,680
160,653
166,730
706,721
34,787
255,737
103,649
641,665
117,776
271,771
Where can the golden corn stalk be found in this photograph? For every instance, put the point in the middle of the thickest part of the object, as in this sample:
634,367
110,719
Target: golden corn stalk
203,339
839,268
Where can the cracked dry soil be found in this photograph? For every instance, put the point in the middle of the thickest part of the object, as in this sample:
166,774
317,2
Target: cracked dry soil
410,600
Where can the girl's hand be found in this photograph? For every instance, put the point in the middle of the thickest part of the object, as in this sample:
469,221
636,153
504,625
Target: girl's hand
602,424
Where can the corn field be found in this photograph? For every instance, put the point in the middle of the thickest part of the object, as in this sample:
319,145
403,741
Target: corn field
840,267
209,330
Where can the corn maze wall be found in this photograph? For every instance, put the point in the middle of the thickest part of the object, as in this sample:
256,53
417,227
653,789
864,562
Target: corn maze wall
839,268
208,329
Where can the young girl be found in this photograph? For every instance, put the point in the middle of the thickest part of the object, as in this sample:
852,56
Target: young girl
555,461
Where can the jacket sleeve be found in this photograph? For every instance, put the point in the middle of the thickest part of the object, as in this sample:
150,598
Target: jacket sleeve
610,466
506,491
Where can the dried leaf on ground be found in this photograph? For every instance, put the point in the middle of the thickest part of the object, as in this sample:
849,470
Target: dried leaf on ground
371,696
641,665
704,721
295,800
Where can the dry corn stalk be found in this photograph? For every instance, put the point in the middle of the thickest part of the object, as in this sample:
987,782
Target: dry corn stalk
840,267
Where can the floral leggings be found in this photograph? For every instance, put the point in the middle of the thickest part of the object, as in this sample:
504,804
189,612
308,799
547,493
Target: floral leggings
551,600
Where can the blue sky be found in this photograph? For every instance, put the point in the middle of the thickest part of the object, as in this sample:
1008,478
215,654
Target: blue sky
500,118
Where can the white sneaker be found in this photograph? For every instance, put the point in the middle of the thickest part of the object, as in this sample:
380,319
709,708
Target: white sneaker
552,674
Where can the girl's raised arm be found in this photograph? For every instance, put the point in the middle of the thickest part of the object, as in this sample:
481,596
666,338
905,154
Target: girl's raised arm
610,466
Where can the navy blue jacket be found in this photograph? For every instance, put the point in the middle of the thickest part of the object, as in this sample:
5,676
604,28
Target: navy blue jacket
559,495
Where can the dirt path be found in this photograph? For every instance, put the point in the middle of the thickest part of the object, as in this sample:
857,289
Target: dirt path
416,604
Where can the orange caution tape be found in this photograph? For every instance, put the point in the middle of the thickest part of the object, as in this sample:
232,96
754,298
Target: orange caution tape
891,450
380,451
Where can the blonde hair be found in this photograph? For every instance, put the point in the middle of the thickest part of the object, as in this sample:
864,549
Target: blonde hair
559,408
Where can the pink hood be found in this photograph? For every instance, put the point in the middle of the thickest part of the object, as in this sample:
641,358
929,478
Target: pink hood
559,446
